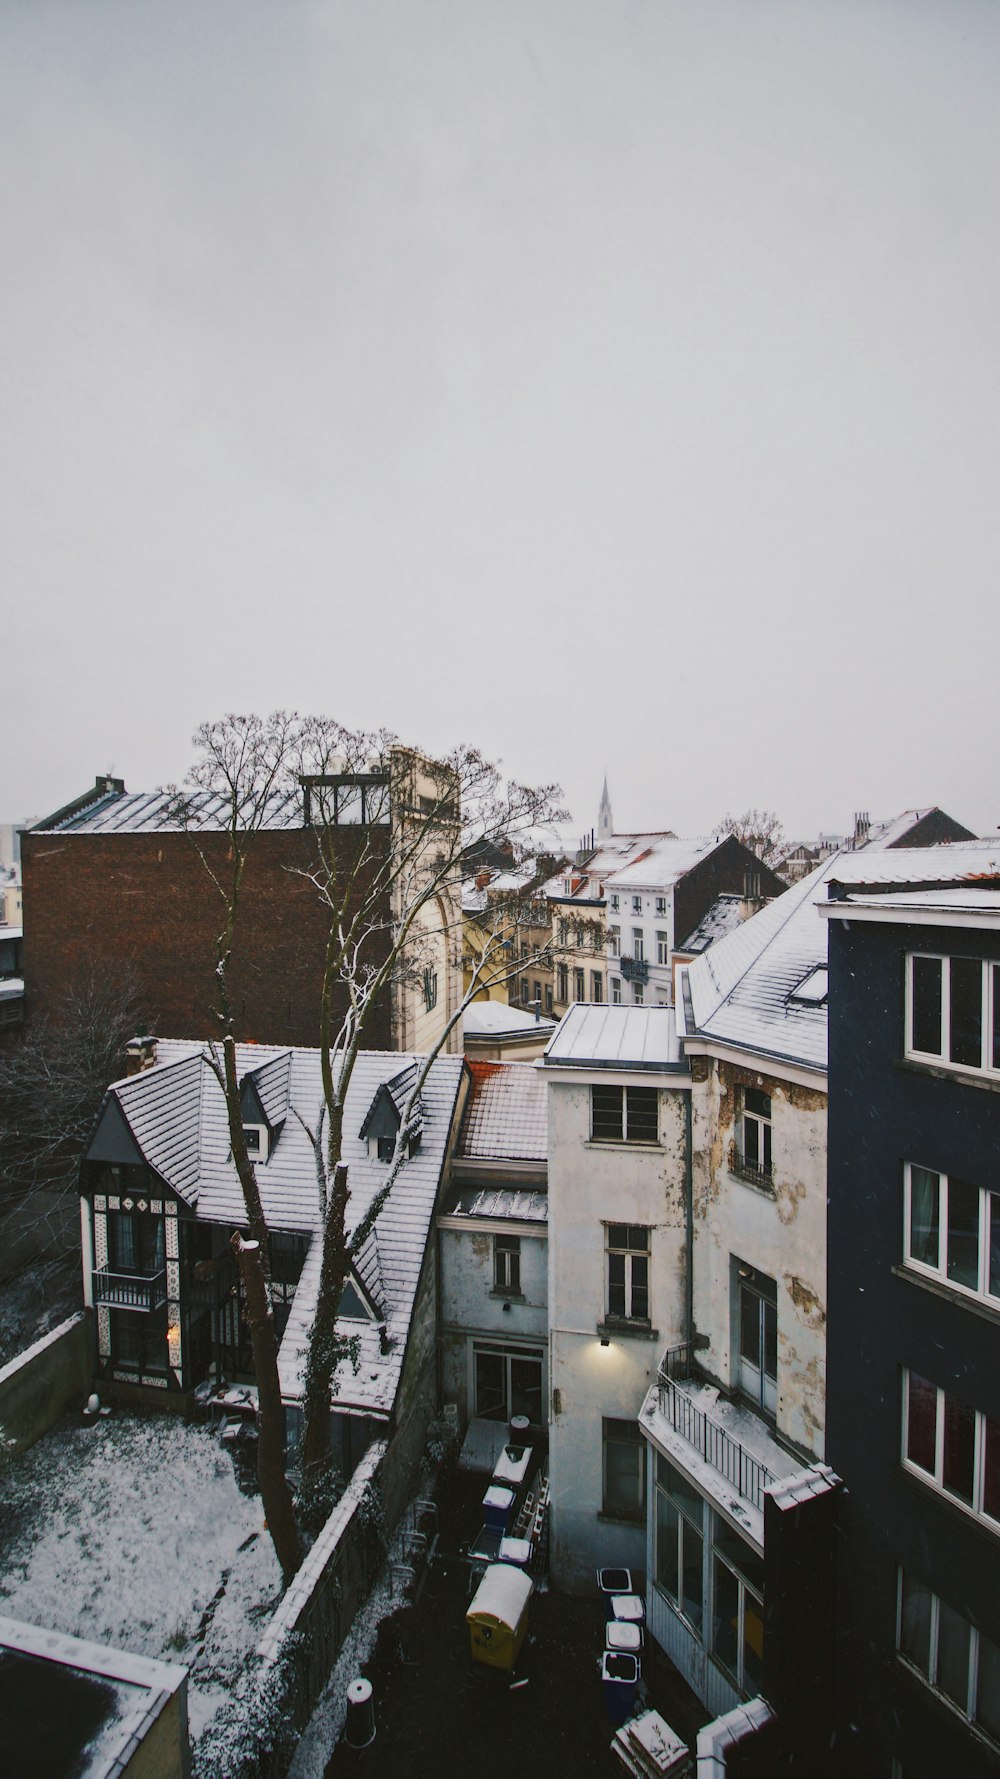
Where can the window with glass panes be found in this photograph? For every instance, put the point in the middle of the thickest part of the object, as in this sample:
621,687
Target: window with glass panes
628,1271
596,987
624,1114
579,985
662,949
949,1653
680,1542
951,1229
758,1336
624,1460
952,1446
712,1576
507,1263
953,1011
756,1130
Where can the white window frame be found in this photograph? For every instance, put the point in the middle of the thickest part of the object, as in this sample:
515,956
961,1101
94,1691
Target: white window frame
257,1133
579,985
989,1063
596,988
980,1292
613,904
976,1509
616,991
661,904
638,945
663,948
636,904
615,941
930,1675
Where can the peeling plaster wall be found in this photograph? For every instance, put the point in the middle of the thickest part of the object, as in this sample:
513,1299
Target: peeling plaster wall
470,1310
590,1185
784,1235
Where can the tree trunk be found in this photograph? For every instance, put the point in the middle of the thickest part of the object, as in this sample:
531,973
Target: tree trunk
324,1347
275,1493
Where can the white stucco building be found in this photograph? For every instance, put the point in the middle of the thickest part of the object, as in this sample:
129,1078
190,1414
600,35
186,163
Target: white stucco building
618,1098
492,1248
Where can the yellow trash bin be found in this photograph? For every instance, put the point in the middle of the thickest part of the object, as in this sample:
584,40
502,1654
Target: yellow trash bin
498,1615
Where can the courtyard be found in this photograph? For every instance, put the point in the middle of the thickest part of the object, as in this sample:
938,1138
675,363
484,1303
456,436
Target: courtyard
131,1531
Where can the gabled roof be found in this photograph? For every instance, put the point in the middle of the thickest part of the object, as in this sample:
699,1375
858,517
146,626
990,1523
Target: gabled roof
176,1113
741,991
270,1082
506,1116
385,1114
663,863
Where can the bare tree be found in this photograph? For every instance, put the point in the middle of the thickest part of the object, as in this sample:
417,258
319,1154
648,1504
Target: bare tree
52,1081
387,828
758,829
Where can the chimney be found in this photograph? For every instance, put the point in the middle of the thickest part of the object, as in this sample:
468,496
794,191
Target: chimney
482,879
140,1054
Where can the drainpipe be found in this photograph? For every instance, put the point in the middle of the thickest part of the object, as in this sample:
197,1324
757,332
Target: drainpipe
688,1228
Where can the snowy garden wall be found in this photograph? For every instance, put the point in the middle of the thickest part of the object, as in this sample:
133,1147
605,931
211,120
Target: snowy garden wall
46,1379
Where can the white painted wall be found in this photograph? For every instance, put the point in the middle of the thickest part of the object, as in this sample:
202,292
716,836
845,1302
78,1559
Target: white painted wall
590,1185
469,1307
784,1236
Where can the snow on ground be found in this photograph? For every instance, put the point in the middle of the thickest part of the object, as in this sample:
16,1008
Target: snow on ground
132,1532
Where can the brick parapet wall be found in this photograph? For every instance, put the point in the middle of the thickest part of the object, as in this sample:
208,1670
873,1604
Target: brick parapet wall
98,902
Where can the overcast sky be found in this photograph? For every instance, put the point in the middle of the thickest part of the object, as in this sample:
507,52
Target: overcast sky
610,383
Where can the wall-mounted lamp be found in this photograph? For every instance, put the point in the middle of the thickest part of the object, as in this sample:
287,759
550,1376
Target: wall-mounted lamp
506,1309
605,1340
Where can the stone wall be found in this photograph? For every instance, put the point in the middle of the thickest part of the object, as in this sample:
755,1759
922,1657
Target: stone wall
44,1381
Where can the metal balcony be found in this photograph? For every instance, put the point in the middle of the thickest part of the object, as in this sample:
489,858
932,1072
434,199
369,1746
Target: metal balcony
634,969
725,1454
129,1290
750,1171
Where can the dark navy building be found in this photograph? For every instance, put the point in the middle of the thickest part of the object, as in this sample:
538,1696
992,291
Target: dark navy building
913,1354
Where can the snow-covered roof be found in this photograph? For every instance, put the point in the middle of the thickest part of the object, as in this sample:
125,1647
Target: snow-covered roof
611,1037
505,1114
142,812
510,1203
176,1112
741,991
723,917
486,1018
661,864
11,987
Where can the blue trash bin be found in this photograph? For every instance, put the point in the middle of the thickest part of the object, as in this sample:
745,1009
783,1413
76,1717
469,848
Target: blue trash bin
620,1675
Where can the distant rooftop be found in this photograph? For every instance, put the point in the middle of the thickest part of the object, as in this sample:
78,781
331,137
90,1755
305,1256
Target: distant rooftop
615,1038
723,917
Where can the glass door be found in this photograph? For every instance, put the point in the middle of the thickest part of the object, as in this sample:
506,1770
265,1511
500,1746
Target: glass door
758,1377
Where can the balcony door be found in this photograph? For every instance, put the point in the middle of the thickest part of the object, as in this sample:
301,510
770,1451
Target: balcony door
758,1314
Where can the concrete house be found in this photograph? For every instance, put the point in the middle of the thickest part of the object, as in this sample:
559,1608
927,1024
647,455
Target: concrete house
618,1106
160,1198
739,1407
493,1250
660,896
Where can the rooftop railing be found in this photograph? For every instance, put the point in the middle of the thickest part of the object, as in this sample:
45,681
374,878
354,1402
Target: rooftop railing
725,1454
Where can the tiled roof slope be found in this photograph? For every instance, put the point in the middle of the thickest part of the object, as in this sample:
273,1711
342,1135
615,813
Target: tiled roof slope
738,990
723,917
177,1114
505,1116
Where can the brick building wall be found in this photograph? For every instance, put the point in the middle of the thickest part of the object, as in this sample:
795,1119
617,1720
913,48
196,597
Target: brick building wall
146,900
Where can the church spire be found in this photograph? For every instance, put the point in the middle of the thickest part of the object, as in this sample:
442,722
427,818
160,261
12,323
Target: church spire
605,823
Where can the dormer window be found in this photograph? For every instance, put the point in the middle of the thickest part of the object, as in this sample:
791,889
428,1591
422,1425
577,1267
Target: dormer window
256,1138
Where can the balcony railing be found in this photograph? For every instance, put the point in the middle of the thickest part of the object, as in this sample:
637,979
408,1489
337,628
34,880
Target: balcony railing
750,1171
725,1454
634,969
129,1290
